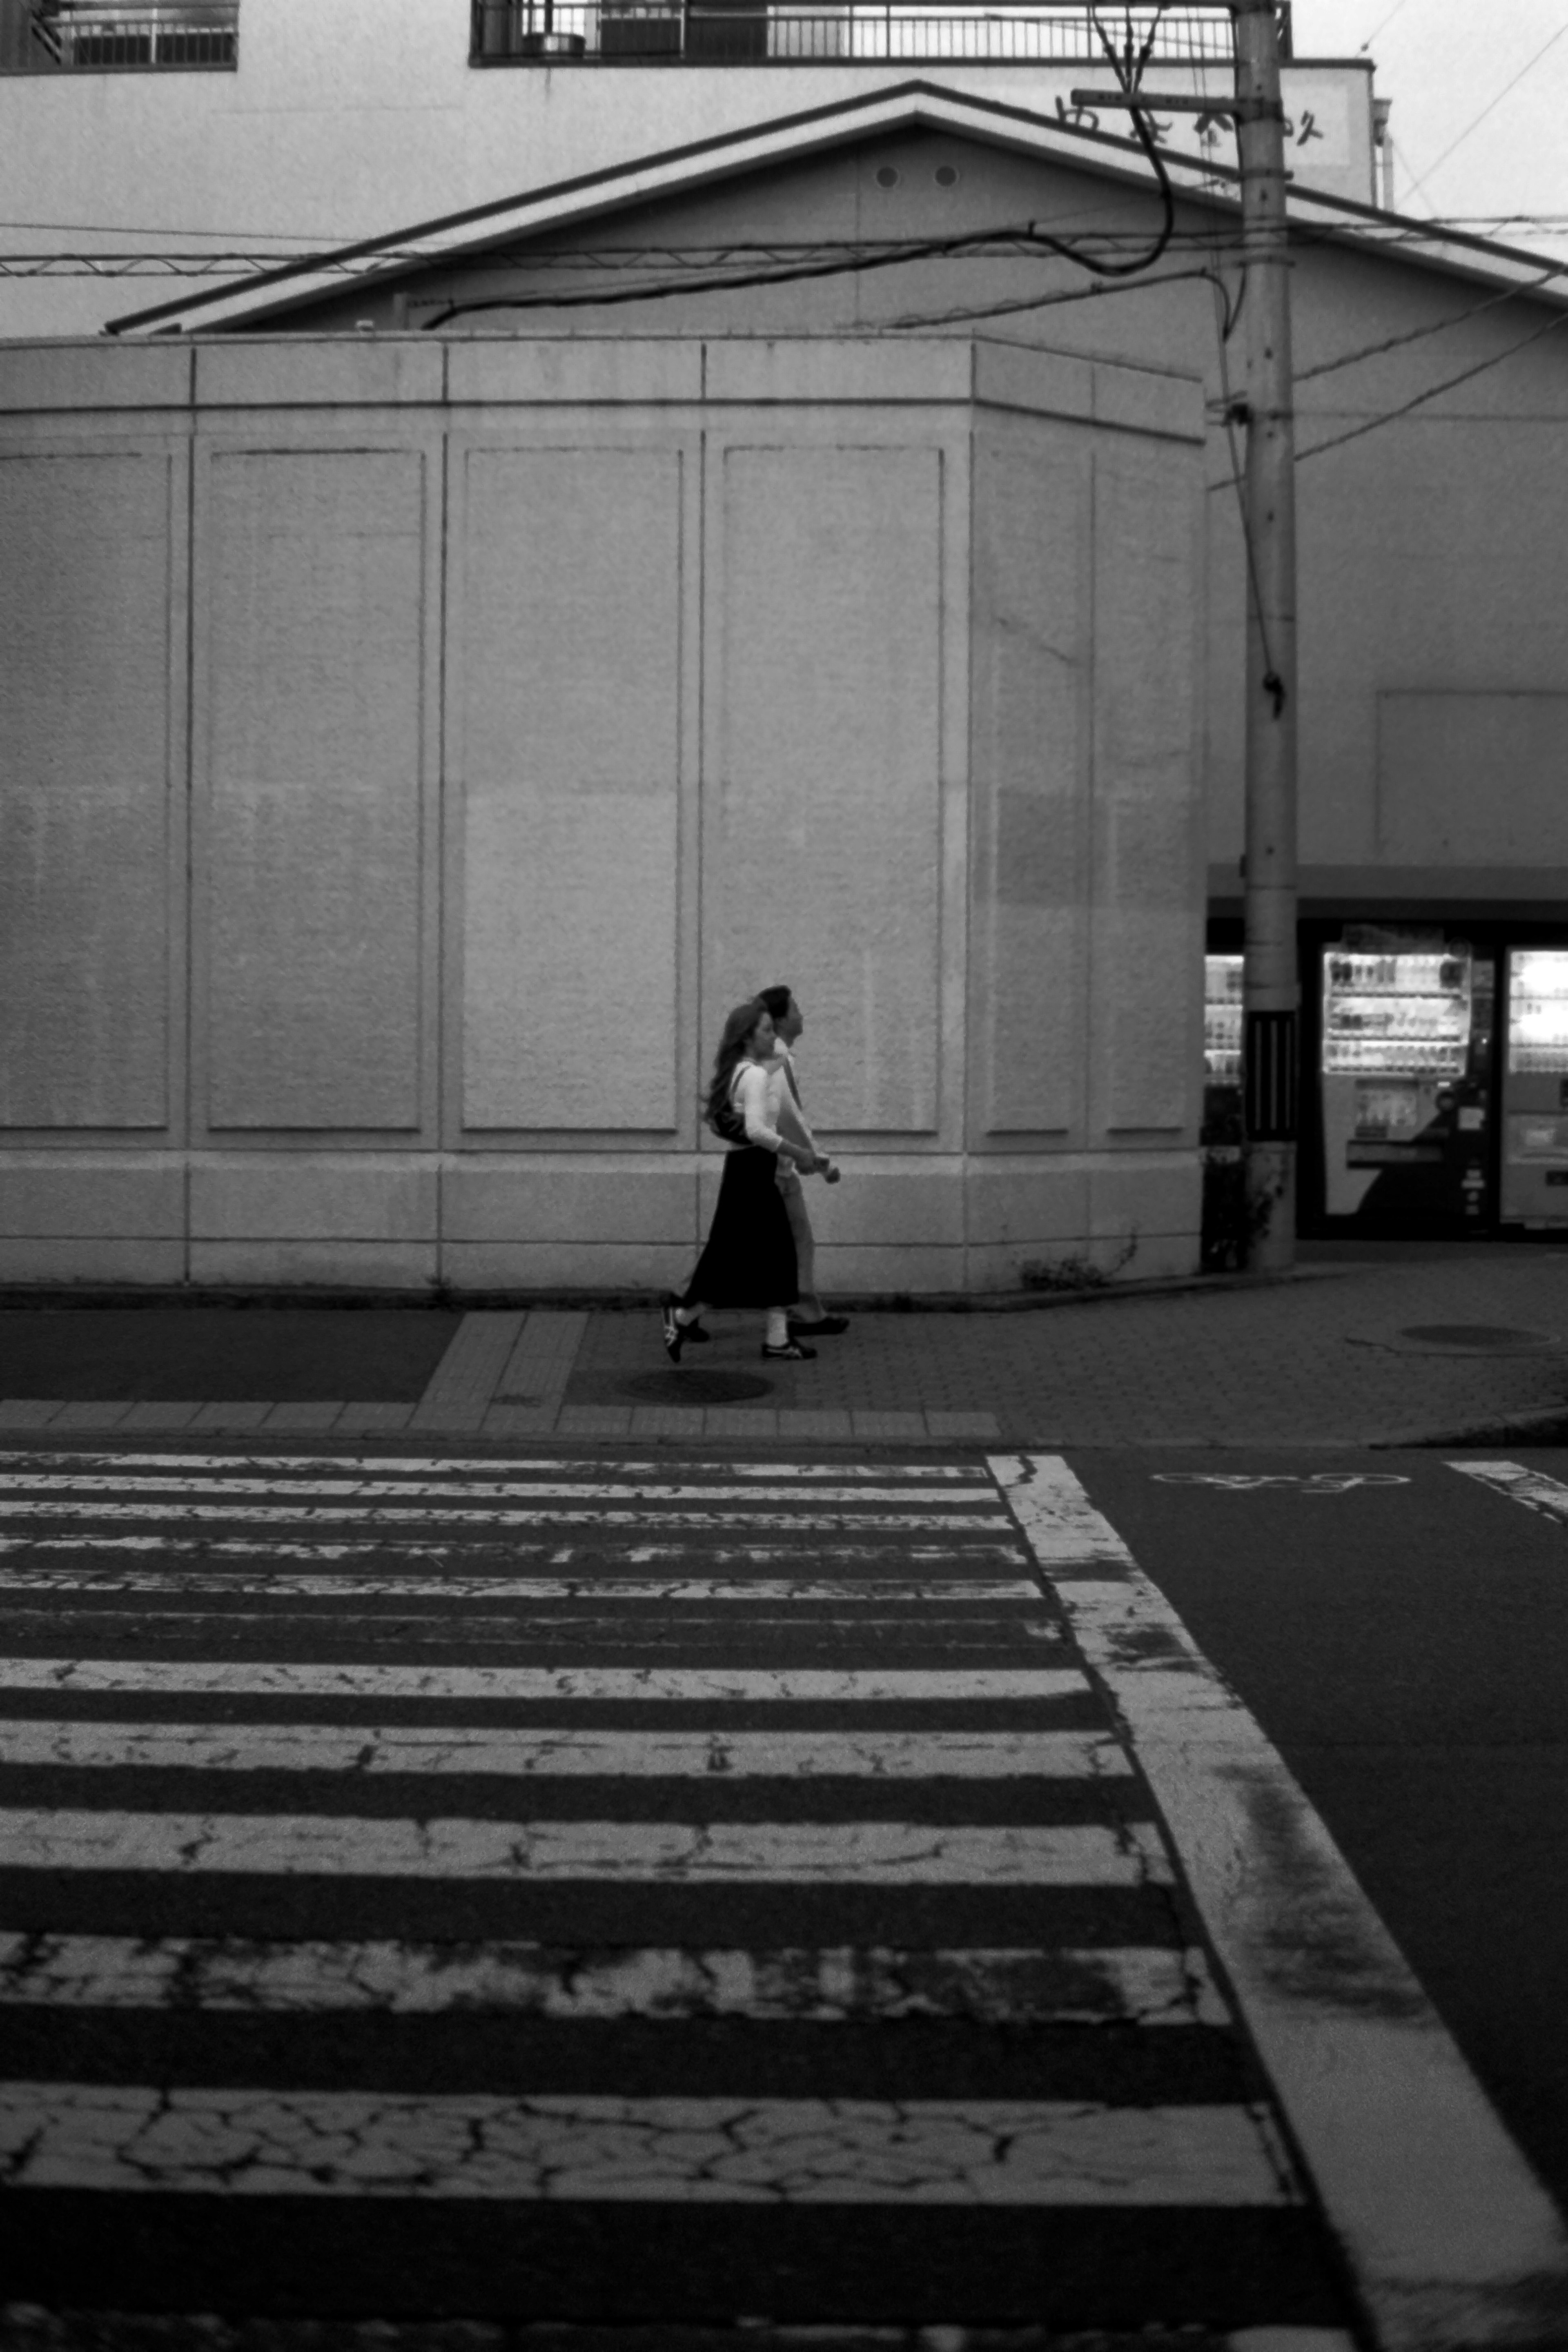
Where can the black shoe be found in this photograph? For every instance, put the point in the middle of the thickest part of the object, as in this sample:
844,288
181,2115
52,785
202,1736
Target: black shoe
826,1326
793,1353
675,1334
694,1335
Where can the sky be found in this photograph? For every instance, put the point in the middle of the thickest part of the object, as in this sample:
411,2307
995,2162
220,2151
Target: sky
1443,63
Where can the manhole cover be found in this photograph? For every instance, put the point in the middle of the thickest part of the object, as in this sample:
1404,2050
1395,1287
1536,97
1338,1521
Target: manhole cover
679,1386
1504,1339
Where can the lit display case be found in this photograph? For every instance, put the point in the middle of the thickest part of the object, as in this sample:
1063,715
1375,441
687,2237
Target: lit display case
1397,1014
1537,1012
1222,1019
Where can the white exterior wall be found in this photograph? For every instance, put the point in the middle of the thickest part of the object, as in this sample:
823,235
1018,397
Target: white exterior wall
414,748
349,121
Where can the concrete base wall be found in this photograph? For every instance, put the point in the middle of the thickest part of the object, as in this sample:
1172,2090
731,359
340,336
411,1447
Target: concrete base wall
621,1222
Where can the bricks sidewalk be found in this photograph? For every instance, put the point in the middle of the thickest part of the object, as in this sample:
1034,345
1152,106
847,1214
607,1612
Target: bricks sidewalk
1323,1359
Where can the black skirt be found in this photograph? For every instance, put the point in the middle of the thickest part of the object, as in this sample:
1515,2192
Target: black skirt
749,1258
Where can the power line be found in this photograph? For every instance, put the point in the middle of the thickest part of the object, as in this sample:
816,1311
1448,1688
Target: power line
1388,20
1489,108
1418,400
1435,327
958,317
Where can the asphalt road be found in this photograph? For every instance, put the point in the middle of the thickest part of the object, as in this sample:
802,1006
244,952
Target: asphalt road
596,1891
1405,1643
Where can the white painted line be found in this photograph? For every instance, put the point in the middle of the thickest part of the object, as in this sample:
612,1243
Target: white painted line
1063,1528
808,1474
1304,1482
516,1754
1531,1487
607,1853
604,1591
1133,1984
1452,2240
686,1685
284,1513
675,2150
513,1549
371,1490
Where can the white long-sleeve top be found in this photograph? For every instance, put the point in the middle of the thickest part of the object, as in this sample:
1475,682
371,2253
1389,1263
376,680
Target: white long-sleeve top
751,1091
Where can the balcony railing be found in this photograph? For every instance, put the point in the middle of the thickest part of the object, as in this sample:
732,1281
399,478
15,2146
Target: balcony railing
98,35
775,32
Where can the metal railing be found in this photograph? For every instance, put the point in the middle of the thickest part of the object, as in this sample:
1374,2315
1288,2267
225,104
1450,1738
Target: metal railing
775,32
97,36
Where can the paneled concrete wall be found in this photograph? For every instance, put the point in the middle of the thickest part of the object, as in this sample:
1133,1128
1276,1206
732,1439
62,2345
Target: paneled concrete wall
410,760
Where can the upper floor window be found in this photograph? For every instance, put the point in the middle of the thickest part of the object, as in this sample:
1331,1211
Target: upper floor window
118,35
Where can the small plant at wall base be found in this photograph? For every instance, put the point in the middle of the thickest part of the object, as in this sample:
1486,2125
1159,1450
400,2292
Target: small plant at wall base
1077,1273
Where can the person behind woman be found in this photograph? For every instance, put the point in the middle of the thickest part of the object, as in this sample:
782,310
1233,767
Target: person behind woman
749,1259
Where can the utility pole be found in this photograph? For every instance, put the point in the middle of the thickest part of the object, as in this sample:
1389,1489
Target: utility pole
1270,1059
1271,990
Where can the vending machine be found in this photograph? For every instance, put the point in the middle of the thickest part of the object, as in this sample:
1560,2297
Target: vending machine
1536,1088
1405,1078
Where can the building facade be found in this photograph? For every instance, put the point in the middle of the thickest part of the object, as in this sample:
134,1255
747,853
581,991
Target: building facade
930,771
159,136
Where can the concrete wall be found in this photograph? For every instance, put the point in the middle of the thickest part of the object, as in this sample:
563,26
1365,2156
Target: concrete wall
349,121
414,749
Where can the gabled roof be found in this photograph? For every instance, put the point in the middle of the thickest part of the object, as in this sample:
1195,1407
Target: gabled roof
295,285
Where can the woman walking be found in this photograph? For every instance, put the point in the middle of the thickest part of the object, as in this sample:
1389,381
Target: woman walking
749,1259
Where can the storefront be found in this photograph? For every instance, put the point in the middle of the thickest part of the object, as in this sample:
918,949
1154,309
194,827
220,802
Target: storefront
1436,1096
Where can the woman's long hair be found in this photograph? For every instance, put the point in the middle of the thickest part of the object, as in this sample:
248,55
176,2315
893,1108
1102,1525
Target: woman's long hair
738,1029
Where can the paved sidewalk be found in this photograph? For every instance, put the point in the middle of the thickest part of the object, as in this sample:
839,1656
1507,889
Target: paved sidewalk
1323,1359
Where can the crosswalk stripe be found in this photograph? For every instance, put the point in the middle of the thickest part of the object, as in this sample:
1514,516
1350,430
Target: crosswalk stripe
806,1685
251,2142
806,1474
683,1592
880,1853
1138,1984
221,2061
1531,1487
519,1754
284,1512
635,1554
564,1622
372,1490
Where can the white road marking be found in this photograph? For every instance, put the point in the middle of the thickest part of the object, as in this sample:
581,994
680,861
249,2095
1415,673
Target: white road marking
179,1677
802,1474
474,1490
1451,2237
1062,1526
512,1548
1138,1984
1312,1482
587,1623
285,1513
610,1853
1531,1487
696,2150
744,1755
605,1591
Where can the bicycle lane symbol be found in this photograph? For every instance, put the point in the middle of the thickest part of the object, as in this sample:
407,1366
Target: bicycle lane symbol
1314,1482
